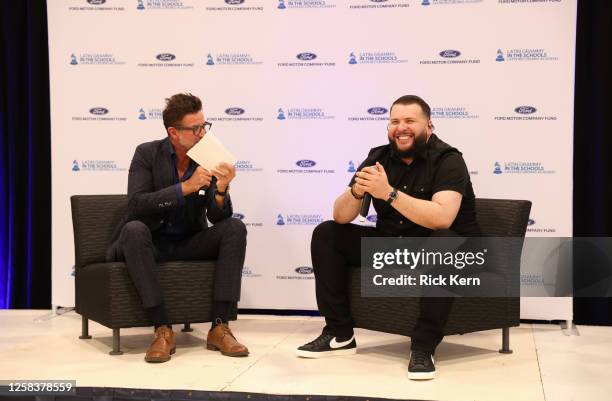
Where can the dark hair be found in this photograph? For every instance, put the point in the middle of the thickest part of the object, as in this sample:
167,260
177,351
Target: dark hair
177,106
413,99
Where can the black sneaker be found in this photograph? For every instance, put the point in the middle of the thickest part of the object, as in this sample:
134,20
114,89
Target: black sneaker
327,345
421,366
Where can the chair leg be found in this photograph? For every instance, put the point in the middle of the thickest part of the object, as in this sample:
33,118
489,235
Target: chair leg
187,328
84,328
116,343
505,341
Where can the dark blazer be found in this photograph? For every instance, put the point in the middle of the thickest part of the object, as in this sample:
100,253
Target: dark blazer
152,193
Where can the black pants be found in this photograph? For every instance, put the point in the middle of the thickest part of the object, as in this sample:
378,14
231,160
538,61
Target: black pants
335,248
225,241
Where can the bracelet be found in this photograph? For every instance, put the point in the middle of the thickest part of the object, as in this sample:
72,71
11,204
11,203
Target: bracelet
355,195
222,194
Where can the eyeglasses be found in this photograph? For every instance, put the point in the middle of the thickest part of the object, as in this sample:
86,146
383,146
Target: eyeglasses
196,129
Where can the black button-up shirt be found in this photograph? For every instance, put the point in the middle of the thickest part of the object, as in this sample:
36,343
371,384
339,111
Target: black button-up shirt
440,167
176,226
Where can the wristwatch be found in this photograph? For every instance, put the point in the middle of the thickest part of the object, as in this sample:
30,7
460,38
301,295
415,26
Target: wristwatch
392,195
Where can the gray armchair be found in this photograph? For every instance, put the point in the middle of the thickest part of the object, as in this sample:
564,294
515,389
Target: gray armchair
104,292
497,218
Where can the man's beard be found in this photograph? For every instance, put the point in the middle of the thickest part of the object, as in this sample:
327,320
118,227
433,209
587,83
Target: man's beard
419,143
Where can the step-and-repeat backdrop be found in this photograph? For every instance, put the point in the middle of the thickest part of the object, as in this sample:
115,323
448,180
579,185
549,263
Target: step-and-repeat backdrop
299,91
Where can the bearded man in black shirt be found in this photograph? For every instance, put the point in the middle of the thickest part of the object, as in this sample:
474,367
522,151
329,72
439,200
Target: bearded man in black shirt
420,186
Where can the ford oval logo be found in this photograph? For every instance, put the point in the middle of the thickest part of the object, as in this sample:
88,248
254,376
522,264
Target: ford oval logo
166,57
530,222
96,2
450,53
234,2
98,111
305,163
372,218
304,270
377,110
238,216
234,111
306,56
525,110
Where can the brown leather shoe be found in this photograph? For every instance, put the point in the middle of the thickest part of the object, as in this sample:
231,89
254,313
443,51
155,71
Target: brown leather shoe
222,339
163,345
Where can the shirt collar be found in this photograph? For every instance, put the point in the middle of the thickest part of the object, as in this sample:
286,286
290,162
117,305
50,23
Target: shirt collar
171,150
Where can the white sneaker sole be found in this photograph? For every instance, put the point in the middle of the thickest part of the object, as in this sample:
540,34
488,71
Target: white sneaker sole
325,354
421,375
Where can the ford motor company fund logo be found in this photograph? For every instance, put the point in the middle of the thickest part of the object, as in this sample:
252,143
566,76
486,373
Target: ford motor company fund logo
450,56
304,270
236,114
380,4
450,53
526,113
235,5
306,56
305,166
525,110
298,273
305,163
234,111
166,59
307,59
95,5
98,113
375,113
377,110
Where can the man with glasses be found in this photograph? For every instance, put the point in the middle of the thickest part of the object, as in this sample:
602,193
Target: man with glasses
420,186
170,198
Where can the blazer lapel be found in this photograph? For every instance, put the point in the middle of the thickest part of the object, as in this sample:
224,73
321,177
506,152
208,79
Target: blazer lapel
164,166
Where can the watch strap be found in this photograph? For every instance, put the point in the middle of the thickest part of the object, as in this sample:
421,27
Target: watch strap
392,196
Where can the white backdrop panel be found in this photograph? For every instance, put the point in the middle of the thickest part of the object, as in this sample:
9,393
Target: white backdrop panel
108,86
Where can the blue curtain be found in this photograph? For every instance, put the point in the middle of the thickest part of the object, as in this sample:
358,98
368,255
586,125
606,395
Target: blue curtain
25,181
